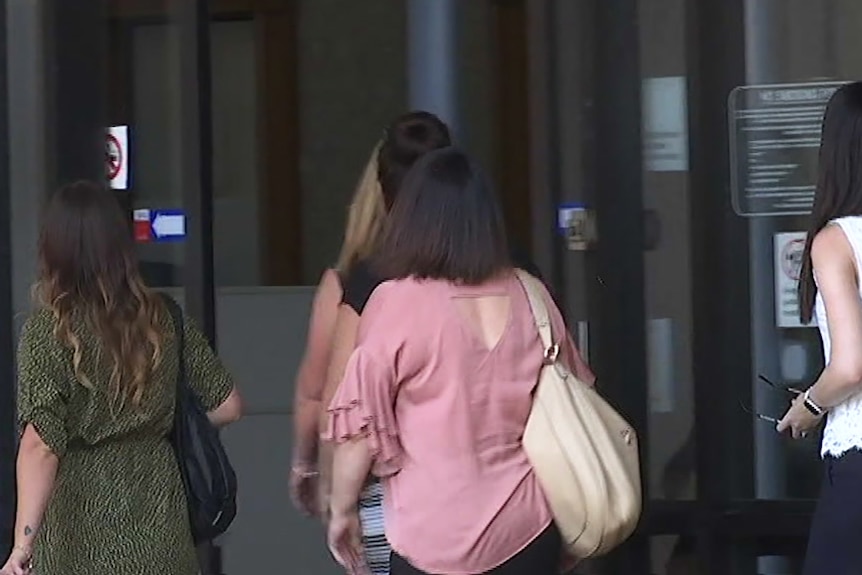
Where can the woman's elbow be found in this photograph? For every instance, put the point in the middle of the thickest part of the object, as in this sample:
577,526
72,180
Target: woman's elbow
235,408
230,411
32,445
848,374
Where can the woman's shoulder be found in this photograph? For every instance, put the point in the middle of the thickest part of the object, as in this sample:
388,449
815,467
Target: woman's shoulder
833,241
405,288
38,341
39,323
408,300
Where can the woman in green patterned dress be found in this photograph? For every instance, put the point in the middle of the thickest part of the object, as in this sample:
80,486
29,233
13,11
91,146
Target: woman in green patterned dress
99,489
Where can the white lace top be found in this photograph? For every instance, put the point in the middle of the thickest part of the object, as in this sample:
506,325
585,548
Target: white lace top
843,430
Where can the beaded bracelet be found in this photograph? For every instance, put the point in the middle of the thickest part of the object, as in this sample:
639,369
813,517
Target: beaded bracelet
304,473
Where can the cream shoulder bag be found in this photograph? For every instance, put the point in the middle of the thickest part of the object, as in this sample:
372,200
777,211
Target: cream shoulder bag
584,453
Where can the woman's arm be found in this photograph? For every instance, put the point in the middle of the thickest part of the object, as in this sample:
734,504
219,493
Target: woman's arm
837,279
311,378
44,374
351,464
36,472
229,411
343,344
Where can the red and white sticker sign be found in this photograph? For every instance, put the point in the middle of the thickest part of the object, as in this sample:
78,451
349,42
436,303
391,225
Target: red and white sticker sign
788,263
117,157
143,226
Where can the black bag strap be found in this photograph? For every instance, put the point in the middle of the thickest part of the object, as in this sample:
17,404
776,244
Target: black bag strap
179,330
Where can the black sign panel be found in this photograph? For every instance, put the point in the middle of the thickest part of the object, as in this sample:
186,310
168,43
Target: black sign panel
774,143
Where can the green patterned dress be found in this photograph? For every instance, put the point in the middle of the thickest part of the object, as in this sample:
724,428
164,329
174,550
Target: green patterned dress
118,506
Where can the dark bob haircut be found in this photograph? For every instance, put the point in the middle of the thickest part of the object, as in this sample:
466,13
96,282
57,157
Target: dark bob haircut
445,224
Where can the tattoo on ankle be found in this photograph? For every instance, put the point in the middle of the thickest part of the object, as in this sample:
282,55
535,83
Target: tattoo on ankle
27,531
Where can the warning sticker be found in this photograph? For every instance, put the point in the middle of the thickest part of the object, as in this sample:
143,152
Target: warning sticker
789,247
117,157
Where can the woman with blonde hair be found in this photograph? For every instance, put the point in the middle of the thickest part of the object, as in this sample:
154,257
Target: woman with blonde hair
99,488
364,222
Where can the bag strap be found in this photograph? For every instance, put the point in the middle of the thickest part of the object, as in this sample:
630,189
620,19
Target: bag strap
179,332
532,287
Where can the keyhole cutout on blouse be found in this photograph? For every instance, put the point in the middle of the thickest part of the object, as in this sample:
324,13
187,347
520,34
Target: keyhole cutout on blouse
485,316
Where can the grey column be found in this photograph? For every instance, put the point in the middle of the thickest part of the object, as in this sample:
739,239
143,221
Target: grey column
24,92
432,45
761,40
25,29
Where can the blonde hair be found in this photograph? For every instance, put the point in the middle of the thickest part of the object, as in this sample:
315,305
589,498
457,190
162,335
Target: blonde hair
365,217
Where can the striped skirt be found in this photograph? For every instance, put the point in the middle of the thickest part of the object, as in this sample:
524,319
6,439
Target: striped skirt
377,549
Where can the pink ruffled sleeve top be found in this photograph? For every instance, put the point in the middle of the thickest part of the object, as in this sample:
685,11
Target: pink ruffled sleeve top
444,416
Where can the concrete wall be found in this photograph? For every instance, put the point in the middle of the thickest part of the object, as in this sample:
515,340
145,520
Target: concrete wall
261,335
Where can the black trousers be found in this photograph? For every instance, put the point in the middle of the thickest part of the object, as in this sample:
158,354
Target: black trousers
541,557
835,541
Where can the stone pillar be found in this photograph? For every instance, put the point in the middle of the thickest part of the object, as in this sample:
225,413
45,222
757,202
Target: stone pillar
432,46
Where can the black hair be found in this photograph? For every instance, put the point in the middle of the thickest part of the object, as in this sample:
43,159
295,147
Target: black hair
445,224
839,182
406,139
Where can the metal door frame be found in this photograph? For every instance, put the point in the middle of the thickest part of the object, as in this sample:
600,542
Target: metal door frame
76,44
613,187
728,526
7,345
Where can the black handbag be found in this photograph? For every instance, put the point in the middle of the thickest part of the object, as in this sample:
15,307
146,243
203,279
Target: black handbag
208,477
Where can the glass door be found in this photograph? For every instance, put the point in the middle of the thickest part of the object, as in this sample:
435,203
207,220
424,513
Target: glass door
128,103
685,134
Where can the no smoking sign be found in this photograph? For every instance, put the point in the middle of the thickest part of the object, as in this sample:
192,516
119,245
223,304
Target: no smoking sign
789,247
116,157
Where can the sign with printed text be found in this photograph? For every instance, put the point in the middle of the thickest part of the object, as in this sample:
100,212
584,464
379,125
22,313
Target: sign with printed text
788,263
774,144
159,225
665,124
117,157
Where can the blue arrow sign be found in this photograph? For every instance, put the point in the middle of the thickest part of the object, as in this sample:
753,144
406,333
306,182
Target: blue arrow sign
168,225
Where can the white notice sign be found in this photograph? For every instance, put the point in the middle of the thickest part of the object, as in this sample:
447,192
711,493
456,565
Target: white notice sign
788,262
117,157
665,124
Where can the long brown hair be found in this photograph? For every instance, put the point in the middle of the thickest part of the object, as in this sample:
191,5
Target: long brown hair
89,270
839,183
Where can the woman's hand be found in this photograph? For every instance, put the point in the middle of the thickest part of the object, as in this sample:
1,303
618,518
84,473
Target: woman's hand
345,542
798,419
305,488
19,562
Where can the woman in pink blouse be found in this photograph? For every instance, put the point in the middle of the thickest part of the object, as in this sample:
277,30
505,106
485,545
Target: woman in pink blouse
437,393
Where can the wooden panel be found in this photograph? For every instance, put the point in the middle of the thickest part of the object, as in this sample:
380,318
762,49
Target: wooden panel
513,136
279,142
124,9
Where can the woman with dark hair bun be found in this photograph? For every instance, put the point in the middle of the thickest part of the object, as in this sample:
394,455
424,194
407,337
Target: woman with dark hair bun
438,387
830,291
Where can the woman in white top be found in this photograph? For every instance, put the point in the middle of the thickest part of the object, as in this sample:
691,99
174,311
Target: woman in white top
831,292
